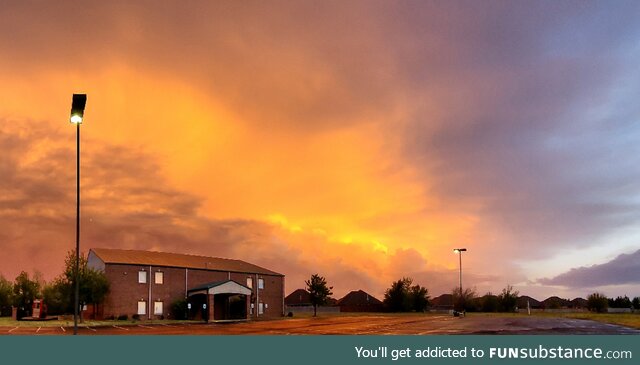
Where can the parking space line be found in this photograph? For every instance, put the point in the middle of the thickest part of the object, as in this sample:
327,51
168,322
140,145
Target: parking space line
62,328
122,328
13,329
38,330
144,326
89,328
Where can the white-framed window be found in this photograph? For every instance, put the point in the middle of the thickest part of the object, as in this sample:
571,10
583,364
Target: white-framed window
249,283
260,308
159,277
251,309
142,277
261,283
142,307
157,308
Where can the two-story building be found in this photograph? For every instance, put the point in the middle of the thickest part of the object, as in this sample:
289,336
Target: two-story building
145,284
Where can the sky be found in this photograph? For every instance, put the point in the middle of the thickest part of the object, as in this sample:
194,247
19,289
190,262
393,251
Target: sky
360,140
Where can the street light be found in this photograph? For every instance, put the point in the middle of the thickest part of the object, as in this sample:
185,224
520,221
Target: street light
77,115
459,251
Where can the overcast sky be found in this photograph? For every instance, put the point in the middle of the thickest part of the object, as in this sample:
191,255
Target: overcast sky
362,140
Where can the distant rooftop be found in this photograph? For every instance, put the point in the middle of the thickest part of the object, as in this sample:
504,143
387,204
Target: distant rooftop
359,297
153,258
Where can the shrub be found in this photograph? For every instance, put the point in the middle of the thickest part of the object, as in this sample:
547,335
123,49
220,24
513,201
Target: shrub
123,317
178,309
135,317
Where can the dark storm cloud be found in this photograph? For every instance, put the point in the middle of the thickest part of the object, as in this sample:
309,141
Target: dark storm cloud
525,128
624,269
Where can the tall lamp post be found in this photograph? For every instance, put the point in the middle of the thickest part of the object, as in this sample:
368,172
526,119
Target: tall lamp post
77,114
459,251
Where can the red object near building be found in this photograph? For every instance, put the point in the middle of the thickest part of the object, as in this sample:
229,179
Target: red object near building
39,309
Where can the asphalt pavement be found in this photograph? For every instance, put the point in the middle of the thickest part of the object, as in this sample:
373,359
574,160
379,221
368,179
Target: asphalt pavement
349,325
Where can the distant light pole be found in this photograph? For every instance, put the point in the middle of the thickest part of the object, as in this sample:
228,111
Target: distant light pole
459,251
77,115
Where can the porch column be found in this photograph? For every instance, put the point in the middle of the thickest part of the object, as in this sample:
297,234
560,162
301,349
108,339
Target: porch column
210,307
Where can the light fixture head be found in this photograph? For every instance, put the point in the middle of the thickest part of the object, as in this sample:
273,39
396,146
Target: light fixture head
458,250
76,119
77,108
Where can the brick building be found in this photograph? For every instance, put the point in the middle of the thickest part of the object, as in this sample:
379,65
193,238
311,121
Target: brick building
146,283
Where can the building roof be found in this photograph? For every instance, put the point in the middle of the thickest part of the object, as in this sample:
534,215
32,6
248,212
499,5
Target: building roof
580,303
555,301
359,298
444,300
139,257
522,301
298,297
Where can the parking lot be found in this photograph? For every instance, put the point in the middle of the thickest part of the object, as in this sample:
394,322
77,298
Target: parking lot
345,325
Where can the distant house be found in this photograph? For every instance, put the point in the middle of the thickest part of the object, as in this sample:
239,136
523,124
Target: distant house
360,301
579,303
442,302
555,303
299,301
525,300
144,284
298,298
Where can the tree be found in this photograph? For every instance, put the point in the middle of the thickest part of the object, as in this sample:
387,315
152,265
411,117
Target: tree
620,302
636,303
94,286
597,302
489,303
59,296
318,290
419,298
396,298
25,290
508,299
463,299
402,297
6,296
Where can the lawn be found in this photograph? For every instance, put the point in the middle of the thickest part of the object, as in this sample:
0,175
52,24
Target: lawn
9,322
623,319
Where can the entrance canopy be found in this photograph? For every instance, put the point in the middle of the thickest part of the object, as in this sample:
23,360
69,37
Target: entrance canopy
220,287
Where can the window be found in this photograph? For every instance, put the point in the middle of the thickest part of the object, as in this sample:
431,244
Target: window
251,309
159,277
157,308
261,308
142,277
142,307
261,283
250,283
